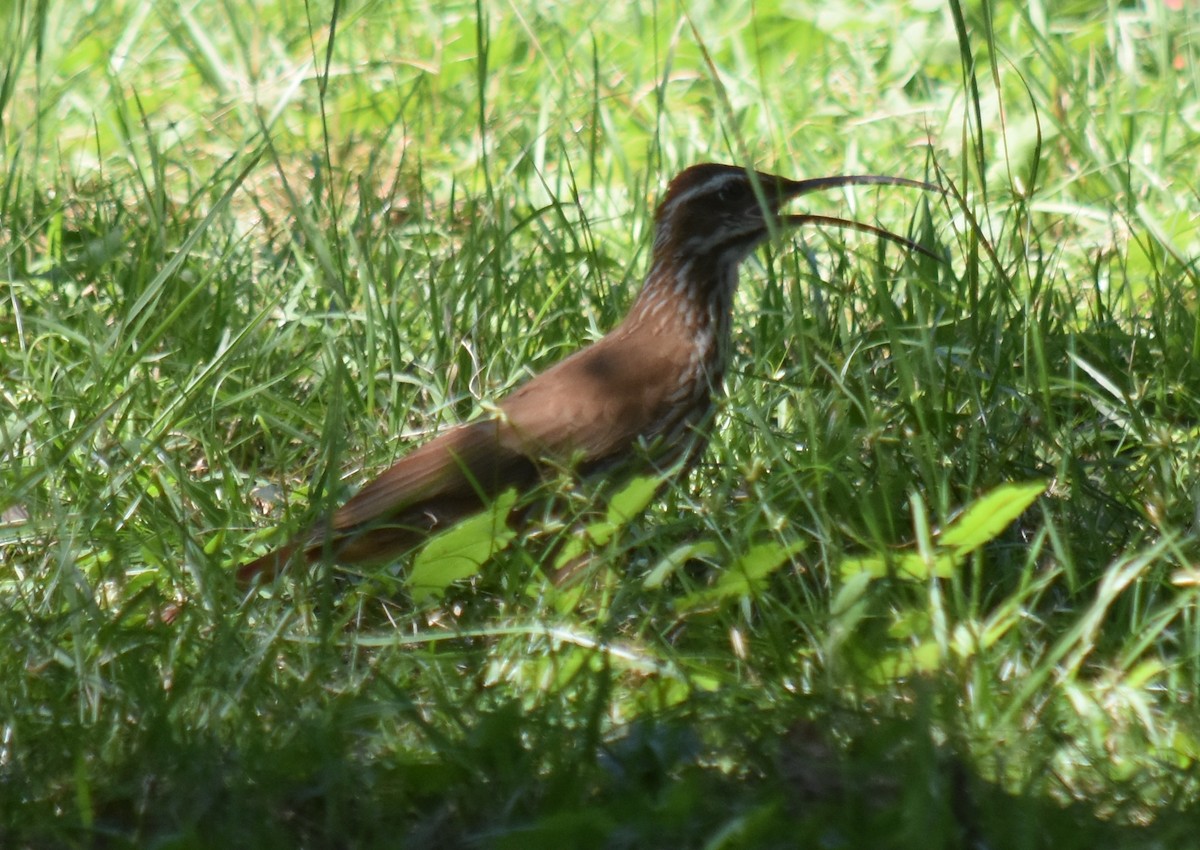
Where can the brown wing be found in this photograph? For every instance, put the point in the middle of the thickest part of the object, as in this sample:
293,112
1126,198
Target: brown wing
470,461
437,484
593,405
587,409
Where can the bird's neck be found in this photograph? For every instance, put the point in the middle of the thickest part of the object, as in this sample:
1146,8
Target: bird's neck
688,302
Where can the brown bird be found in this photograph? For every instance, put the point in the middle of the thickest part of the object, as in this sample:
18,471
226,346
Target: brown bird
644,392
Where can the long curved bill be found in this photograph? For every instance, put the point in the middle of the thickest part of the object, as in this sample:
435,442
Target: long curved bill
789,189
861,227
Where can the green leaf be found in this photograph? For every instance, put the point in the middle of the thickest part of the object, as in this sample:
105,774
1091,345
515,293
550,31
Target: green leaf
915,567
909,566
746,576
980,523
461,550
631,500
625,504
873,565
676,558
988,516
849,608
887,667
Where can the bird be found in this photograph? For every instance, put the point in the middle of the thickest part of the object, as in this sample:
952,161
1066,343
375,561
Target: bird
641,396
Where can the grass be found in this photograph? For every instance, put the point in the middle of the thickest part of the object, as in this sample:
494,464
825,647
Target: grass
253,253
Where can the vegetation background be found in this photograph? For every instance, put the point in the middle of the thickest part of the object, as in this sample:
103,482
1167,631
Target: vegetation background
934,585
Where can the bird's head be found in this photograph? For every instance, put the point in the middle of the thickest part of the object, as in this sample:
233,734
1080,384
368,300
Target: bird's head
714,212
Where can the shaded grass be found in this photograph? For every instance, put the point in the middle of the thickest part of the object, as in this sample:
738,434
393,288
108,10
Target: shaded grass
251,269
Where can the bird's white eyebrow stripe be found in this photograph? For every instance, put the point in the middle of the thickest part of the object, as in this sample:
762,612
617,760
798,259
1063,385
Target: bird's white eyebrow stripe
712,184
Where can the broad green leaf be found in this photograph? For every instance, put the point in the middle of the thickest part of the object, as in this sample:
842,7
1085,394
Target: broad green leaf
461,550
631,500
1185,746
925,657
1143,672
978,524
851,597
914,566
573,547
968,641
624,505
988,516
709,683
909,624
909,566
849,607
745,576
873,565
216,543
676,558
